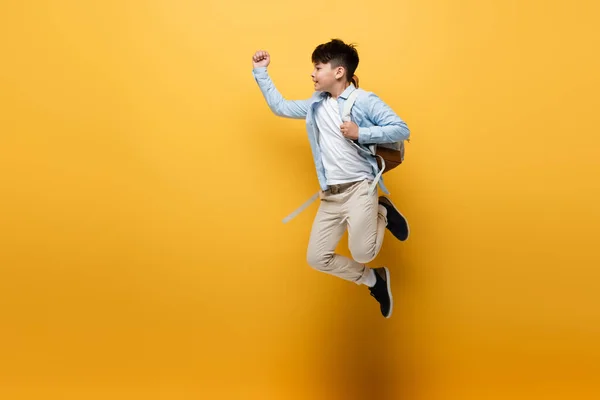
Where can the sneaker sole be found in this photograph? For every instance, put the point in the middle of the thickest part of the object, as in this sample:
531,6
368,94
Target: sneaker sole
396,208
389,290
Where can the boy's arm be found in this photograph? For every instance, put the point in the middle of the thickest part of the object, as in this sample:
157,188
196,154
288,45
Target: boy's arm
389,127
279,105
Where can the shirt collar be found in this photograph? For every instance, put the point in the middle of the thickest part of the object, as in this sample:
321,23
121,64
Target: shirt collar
347,92
344,94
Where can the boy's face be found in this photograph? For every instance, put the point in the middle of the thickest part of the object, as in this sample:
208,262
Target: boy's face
325,77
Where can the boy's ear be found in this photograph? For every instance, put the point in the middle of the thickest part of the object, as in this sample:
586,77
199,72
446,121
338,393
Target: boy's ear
339,72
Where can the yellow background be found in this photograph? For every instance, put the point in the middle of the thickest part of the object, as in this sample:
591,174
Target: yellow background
143,181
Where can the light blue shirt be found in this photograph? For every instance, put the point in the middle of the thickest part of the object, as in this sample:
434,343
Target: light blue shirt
377,122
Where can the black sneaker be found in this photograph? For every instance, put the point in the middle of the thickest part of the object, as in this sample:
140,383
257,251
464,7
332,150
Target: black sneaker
397,224
382,291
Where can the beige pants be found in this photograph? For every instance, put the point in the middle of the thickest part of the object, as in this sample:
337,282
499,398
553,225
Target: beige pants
358,211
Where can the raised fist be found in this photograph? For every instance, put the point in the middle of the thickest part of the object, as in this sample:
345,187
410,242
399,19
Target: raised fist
261,59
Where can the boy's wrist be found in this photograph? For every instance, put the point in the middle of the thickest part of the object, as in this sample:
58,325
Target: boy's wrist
363,135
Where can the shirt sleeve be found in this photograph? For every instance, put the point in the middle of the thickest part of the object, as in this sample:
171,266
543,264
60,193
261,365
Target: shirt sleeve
389,127
277,103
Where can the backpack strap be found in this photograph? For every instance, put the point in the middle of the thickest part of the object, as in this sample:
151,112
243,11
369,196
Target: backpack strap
347,117
301,208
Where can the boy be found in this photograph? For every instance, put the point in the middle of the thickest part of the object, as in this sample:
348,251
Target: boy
345,167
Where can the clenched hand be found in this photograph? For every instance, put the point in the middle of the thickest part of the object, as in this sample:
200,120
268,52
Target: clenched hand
349,130
261,59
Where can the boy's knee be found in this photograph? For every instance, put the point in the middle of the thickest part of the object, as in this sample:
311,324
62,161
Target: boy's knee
364,255
319,262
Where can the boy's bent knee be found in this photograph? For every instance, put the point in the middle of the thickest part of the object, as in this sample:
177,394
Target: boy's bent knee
320,262
364,256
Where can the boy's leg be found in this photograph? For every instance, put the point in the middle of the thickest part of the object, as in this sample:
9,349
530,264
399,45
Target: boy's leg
366,223
367,220
327,230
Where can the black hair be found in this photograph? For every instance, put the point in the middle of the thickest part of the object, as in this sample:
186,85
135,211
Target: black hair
338,54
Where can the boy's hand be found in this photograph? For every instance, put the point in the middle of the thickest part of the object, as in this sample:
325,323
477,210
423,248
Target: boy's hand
261,59
349,130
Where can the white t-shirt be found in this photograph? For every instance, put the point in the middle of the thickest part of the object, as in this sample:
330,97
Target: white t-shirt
341,159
